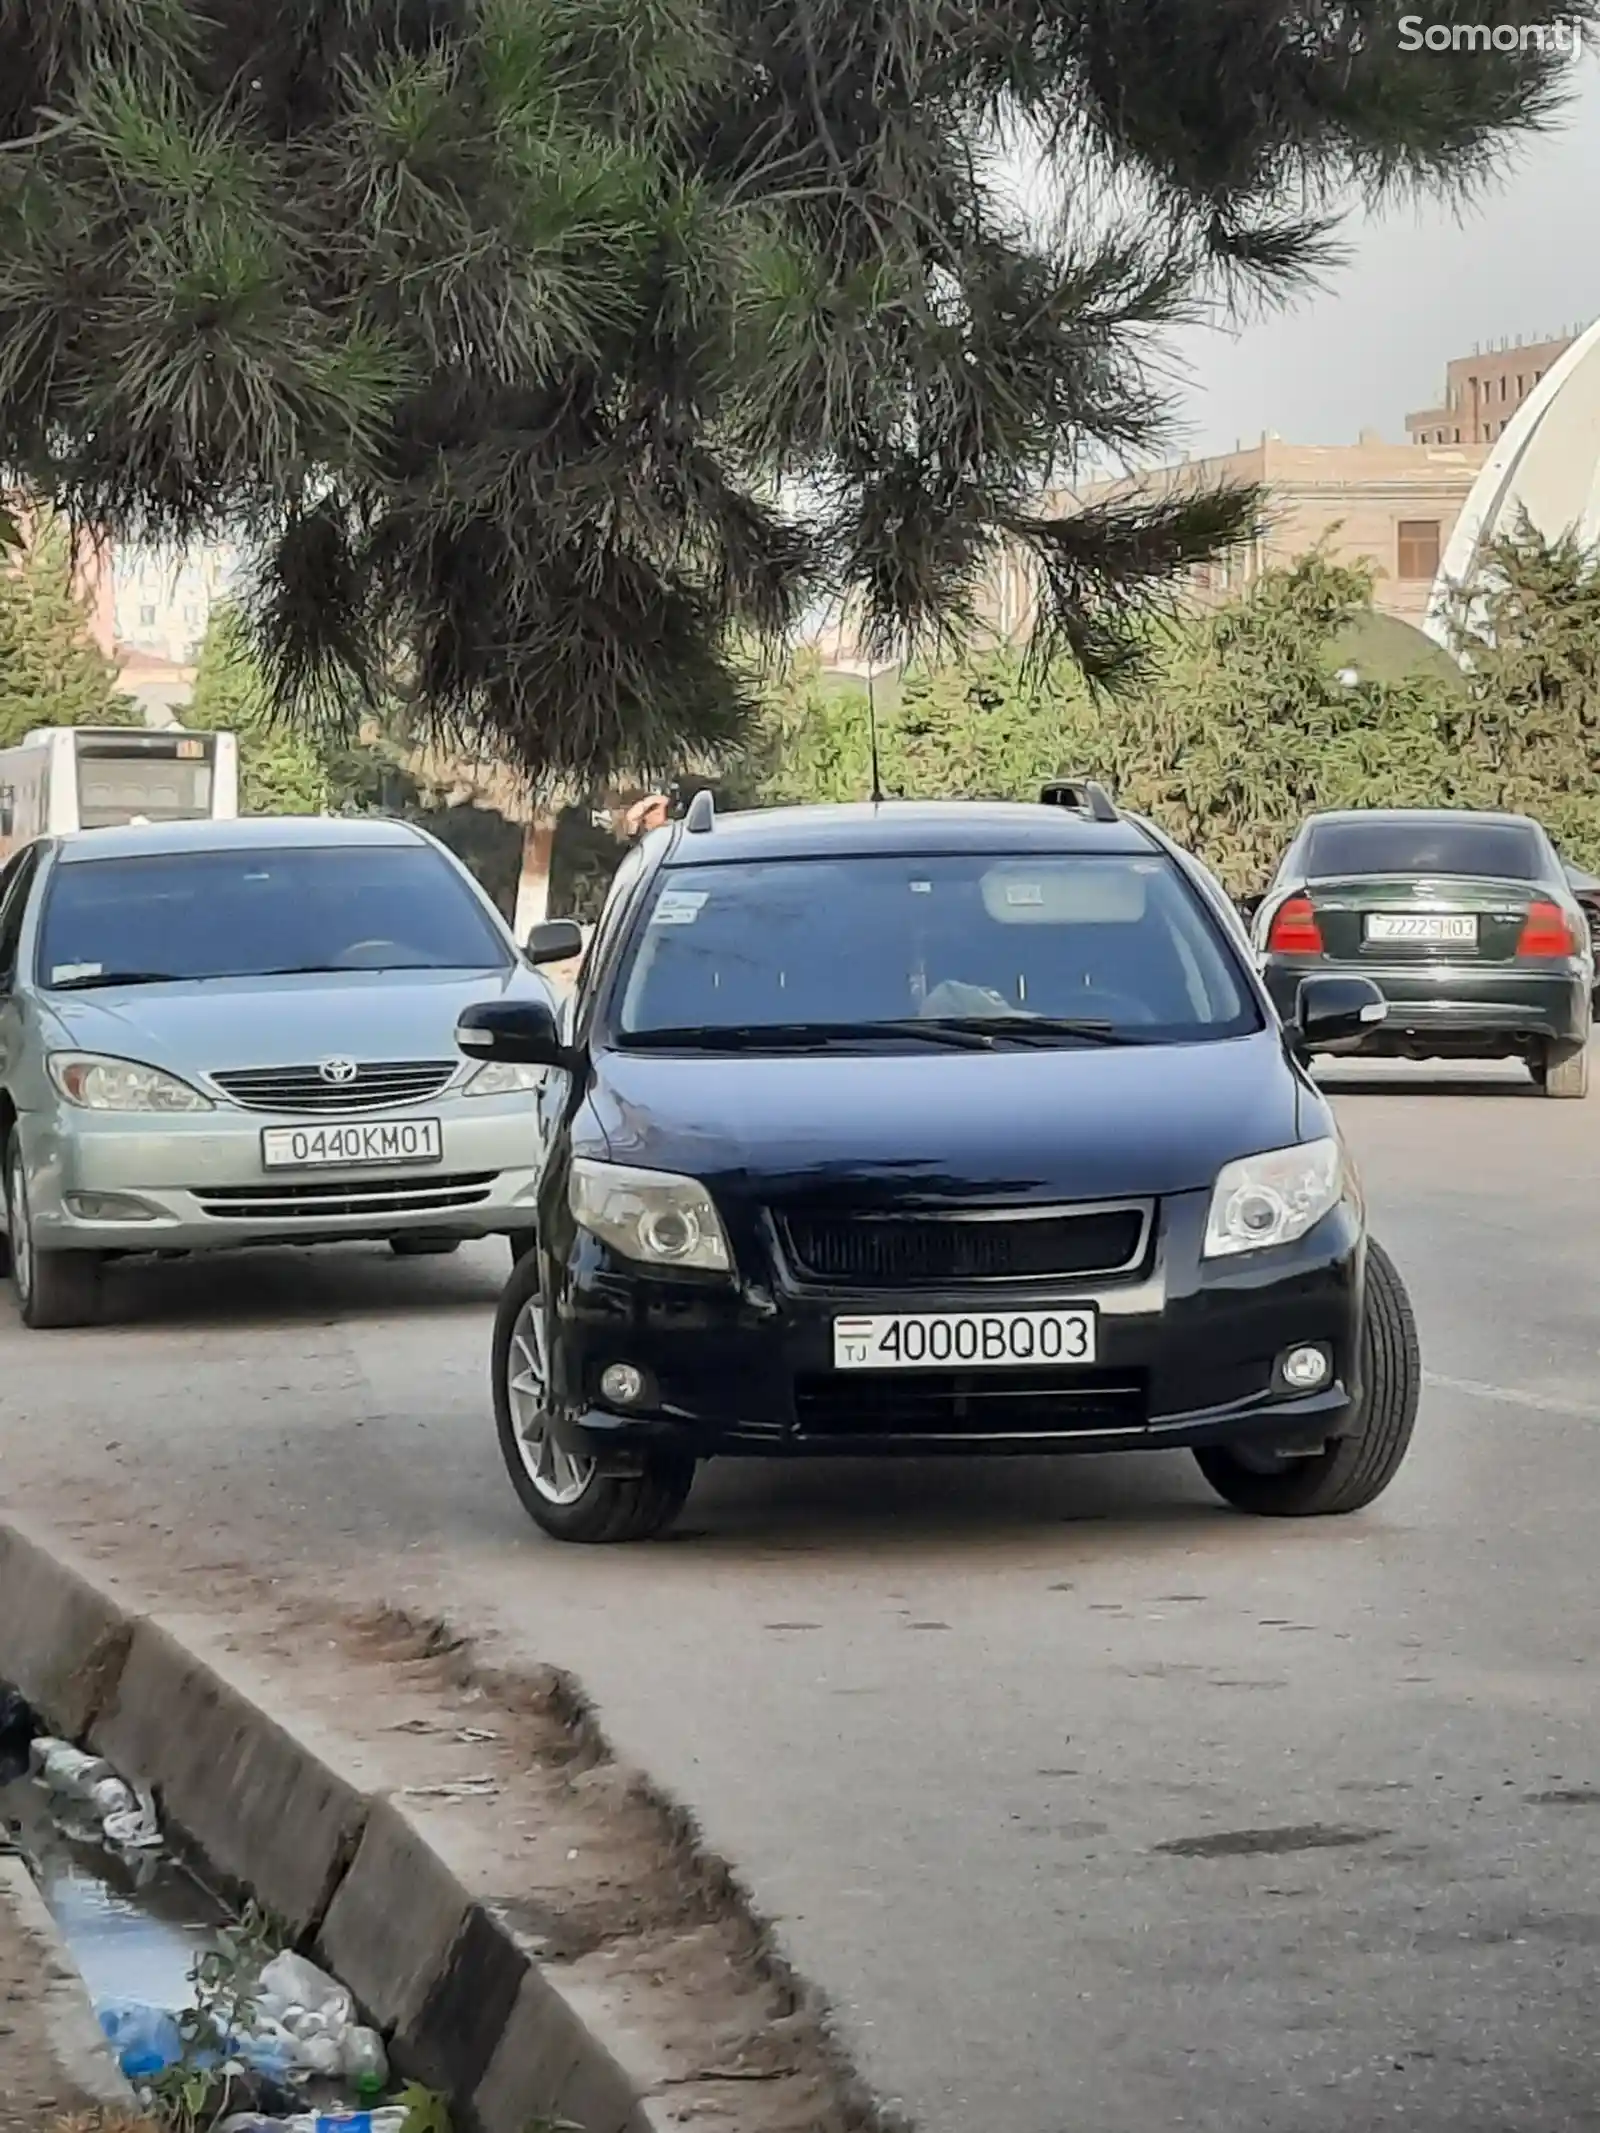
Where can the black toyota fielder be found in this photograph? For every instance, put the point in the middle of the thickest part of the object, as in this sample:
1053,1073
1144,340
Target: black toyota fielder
955,1128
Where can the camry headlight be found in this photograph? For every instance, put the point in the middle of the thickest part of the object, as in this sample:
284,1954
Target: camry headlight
99,1084
1274,1198
649,1215
502,1077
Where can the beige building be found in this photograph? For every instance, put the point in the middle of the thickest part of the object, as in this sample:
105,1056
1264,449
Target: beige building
1484,390
1393,505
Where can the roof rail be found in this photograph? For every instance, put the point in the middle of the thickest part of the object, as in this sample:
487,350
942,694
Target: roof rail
1080,796
701,815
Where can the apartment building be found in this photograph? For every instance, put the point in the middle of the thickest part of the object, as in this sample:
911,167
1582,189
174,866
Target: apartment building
164,601
1484,390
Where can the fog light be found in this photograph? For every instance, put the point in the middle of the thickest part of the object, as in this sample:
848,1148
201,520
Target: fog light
622,1385
1306,1369
109,1207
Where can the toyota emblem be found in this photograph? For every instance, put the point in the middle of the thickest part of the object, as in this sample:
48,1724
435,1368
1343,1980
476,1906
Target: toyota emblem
338,1071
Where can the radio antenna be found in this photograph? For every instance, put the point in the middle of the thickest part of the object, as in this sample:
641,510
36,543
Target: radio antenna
872,735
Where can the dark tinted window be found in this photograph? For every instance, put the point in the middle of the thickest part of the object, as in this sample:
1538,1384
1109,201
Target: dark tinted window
248,913
859,941
1506,851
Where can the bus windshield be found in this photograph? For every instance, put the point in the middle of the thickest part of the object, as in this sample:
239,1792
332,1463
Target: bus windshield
124,781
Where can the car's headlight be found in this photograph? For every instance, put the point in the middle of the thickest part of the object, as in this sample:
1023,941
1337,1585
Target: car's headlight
503,1077
99,1084
649,1215
1272,1199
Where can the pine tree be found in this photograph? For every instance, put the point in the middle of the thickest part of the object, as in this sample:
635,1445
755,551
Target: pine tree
1528,631
52,673
549,349
281,768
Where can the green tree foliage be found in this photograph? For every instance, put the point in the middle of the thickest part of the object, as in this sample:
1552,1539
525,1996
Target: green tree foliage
52,673
546,349
1528,732
1245,726
281,768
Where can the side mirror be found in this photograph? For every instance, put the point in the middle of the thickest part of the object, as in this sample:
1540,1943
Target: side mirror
1334,1014
513,1032
558,940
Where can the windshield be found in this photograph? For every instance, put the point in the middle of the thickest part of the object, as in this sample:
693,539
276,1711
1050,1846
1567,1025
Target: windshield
1504,851
116,788
237,914
1117,944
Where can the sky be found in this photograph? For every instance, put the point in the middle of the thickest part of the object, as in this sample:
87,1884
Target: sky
1420,288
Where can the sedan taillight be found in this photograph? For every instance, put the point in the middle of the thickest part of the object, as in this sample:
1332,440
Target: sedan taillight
1294,929
1545,931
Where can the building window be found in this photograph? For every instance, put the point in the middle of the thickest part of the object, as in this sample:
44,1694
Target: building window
147,618
1419,547
1505,386
1458,437
191,611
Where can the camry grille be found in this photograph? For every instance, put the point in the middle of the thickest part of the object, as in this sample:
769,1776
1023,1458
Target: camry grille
304,1200
365,1085
892,1252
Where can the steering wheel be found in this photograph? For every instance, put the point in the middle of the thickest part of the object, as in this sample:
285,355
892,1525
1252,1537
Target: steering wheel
1120,1007
358,949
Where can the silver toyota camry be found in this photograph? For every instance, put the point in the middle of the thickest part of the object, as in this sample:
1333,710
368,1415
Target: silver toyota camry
236,1033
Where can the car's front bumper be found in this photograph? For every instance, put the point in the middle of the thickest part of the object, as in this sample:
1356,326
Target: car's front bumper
104,1181
1187,1355
1454,1007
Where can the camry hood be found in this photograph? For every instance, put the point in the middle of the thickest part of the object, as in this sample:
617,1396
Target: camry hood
197,1028
940,1126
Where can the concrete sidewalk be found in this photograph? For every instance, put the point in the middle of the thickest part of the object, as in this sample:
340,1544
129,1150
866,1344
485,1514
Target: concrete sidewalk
55,2069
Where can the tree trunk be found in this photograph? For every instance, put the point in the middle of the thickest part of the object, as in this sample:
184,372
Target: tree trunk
533,885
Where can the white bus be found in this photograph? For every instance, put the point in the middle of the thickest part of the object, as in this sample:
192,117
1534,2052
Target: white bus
62,778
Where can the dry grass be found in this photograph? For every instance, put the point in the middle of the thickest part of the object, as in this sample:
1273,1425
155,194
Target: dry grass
104,2122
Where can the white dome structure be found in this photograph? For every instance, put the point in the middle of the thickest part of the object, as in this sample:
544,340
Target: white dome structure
1547,463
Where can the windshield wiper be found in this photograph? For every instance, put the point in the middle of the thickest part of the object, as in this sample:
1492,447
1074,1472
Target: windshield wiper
809,1036
1040,1029
88,980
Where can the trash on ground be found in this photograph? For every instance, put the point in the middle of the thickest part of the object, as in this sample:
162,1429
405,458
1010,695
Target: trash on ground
127,1818
472,1788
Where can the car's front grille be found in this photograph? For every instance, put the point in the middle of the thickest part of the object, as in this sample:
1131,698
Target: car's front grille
374,1085
895,1252
964,1403
306,1199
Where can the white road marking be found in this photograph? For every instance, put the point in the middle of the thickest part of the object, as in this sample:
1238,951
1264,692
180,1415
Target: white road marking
1540,1402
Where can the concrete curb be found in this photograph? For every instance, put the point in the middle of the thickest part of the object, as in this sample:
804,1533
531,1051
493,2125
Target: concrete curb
466,2008
56,1999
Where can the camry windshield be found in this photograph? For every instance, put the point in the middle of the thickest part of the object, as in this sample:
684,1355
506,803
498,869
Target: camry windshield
1504,851
242,914
968,949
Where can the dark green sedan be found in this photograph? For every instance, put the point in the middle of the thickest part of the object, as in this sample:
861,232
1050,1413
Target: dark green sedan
1466,922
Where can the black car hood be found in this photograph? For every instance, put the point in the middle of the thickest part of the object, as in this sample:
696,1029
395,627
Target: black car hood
946,1125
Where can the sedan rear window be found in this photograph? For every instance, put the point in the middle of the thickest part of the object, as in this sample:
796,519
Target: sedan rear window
1502,851
243,914
847,945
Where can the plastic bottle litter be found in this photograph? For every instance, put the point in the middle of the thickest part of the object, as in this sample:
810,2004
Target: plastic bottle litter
363,2059
145,2039
391,2119
65,1769
291,1988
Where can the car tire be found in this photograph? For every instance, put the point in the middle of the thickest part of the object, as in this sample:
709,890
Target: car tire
569,1498
1564,1070
424,1247
1354,1470
54,1290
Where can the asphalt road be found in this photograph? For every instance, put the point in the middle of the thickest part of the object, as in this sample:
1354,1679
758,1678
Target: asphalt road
1090,1804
